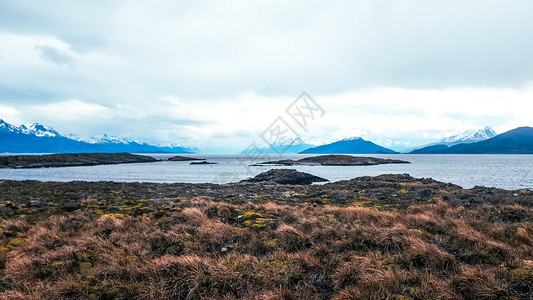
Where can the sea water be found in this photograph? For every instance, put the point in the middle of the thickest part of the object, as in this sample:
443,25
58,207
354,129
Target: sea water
502,171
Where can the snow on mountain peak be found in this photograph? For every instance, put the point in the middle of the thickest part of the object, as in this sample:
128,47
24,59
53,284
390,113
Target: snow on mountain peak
472,135
34,129
39,130
101,139
6,127
354,138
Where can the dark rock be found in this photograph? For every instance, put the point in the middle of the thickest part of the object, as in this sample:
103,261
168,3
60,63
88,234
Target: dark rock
36,202
184,158
5,210
202,163
69,205
285,176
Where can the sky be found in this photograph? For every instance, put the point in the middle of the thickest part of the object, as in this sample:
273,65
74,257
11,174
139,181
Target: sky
217,74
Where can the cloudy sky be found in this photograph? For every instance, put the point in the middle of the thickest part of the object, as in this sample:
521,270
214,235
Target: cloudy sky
215,74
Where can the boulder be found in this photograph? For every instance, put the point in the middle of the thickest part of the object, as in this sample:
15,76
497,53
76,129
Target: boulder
285,176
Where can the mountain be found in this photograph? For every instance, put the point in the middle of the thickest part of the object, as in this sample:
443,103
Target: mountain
100,139
516,141
38,138
355,145
289,145
470,136
467,137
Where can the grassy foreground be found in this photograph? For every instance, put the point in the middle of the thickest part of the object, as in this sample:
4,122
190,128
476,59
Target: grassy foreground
385,237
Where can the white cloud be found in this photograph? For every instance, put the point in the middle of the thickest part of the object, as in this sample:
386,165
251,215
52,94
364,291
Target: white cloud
71,110
9,114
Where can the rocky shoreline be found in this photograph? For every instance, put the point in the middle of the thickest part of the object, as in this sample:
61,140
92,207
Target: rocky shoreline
393,190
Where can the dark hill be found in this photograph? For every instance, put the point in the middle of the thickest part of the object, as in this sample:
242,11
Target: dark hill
349,146
429,149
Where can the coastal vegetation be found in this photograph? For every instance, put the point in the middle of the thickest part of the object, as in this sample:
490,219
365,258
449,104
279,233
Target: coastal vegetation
384,237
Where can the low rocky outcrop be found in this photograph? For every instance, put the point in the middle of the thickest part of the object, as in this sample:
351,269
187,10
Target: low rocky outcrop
285,176
336,160
71,160
184,158
202,163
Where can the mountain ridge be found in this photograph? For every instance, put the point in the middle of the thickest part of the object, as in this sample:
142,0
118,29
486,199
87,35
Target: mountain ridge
515,141
465,137
38,138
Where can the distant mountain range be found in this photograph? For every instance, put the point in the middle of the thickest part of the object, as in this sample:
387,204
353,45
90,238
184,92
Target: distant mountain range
290,145
470,136
354,145
481,141
516,141
467,137
38,138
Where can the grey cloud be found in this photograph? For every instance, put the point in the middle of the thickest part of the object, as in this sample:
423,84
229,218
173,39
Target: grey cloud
55,56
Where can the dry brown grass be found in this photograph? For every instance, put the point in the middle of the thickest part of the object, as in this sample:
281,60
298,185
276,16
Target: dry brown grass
271,251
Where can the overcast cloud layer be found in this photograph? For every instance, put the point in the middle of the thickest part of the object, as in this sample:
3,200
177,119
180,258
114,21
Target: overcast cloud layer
215,74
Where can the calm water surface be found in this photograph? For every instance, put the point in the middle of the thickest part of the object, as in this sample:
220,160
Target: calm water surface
503,171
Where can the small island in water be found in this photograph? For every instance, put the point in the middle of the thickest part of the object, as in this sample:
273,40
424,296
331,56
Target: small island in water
70,160
184,158
335,160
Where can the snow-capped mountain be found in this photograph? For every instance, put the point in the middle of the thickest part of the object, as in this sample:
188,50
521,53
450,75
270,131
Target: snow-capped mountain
38,130
290,145
101,139
35,129
37,138
467,137
170,146
470,136
7,128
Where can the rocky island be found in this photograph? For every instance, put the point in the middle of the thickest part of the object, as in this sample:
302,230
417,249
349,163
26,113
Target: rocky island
70,160
184,158
202,163
335,160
